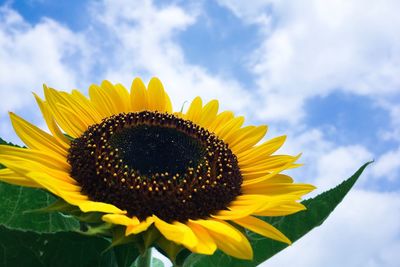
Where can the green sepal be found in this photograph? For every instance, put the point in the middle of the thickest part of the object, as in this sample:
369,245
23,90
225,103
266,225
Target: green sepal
119,238
182,256
89,217
69,137
169,249
64,207
104,229
150,236
183,106
57,206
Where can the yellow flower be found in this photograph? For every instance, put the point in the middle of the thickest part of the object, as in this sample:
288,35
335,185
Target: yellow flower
191,175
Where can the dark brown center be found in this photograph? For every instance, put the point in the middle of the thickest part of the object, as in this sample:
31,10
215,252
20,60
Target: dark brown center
155,163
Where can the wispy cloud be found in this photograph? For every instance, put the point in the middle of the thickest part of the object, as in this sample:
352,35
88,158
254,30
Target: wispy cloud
143,38
313,48
126,39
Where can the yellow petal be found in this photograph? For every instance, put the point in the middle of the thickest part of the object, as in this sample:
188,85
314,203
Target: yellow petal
53,98
251,203
220,120
156,95
10,177
92,206
279,178
124,97
138,95
177,232
260,227
227,238
101,101
142,226
269,164
24,166
220,227
249,140
268,176
73,198
245,199
51,123
281,210
78,105
47,159
277,189
168,104
35,138
237,211
209,113
206,244
238,249
246,205
48,182
262,151
87,105
238,135
74,106
120,219
117,103
194,112
223,130
75,120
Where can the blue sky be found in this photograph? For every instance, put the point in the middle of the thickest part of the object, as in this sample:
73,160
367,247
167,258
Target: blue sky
326,73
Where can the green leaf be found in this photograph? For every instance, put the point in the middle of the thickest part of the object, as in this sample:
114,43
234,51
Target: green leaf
294,226
18,248
17,201
126,254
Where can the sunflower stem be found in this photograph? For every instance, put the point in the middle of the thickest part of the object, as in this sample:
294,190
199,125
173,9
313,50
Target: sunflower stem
144,260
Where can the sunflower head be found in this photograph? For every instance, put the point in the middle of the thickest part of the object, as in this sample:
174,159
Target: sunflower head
190,177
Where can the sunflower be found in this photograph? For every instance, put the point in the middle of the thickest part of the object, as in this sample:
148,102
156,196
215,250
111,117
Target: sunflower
195,177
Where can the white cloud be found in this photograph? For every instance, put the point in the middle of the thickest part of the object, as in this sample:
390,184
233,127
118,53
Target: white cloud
313,48
387,165
392,132
339,164
145,42
126,39
31,55
250,11
362,231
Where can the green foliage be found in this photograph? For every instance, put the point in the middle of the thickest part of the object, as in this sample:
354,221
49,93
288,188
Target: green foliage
125,255
18,248
294,226
16,202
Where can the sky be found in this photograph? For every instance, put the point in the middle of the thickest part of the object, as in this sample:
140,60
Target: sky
325,73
